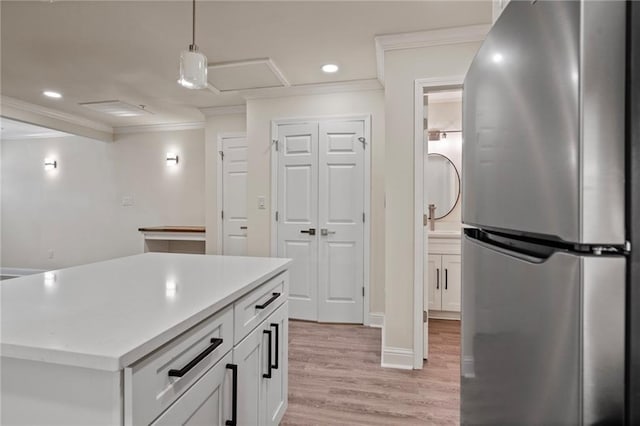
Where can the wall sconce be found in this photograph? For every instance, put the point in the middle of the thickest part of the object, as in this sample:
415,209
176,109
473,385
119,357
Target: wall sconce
172,159
50,164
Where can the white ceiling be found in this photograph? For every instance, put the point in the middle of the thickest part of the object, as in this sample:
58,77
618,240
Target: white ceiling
129,50
12,129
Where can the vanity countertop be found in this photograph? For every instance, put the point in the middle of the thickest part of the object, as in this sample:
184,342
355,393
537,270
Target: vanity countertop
107,315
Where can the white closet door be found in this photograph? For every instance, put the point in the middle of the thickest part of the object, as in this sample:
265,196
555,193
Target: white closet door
298,214
234,198
341,208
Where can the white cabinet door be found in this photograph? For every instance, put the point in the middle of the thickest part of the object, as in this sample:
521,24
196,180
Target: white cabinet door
451,292
234,196
298,214
434,291
276,387
341,207
207,402
250,357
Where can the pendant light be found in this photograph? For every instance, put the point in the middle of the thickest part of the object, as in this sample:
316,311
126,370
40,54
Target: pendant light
193,64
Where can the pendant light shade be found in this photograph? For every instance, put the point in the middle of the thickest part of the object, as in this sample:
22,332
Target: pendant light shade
193,64
193,70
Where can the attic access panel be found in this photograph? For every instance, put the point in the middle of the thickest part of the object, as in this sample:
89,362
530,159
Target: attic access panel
245,75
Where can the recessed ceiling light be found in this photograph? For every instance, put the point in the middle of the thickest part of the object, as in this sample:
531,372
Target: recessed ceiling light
330,68
52,94
497,58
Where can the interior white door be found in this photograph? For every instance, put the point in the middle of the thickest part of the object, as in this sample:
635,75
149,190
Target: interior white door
298,214
432,295
341,221
234,198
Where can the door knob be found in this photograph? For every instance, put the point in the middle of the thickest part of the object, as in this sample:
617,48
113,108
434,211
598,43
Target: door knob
325,231
310,231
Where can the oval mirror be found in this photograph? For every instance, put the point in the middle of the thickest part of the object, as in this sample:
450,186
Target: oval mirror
442,183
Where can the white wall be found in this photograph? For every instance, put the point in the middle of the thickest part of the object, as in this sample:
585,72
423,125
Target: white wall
214,127
260,113
402,68
76,210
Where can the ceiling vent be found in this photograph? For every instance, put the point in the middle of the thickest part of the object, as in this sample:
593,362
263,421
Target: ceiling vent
245,75
117,108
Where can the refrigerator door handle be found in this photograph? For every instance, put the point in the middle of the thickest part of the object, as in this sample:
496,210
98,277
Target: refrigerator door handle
508,252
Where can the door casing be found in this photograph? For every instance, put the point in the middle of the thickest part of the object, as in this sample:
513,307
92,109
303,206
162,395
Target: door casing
366,118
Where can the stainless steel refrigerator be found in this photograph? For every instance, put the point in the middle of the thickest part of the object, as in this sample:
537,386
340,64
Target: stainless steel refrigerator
547,194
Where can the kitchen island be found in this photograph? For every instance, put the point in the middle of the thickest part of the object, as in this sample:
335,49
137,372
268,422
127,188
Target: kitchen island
156,338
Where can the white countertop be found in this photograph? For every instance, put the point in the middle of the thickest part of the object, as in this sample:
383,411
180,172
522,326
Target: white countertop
109,314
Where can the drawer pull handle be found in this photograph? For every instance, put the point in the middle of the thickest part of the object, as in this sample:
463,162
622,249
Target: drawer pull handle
234,395
215,342
446,279
437,278
274,296
268,374
277,327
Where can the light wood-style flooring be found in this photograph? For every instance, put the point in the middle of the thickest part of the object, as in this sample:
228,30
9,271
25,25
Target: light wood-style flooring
335,378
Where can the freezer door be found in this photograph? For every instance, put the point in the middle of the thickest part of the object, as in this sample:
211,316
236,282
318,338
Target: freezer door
542,339
543,123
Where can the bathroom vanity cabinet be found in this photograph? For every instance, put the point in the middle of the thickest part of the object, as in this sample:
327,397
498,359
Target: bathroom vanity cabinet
444,275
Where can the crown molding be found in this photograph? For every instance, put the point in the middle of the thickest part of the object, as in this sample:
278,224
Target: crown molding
223,110
455,35
161,127
312,89
8,102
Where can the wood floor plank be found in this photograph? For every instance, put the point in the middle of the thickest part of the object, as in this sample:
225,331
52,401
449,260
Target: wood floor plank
335,378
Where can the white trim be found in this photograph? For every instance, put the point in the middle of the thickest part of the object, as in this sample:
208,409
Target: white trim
19,272
160,127
266,61
376,319
454,35
421,243
223,110
312,89
52,113
397,358
220,185
367,192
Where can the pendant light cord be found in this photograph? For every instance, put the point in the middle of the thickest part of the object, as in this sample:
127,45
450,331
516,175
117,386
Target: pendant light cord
194,25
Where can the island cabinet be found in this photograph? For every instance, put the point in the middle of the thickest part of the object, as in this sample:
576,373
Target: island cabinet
229,368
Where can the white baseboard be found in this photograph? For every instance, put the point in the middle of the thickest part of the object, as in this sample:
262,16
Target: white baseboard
18,272
376,319
397,358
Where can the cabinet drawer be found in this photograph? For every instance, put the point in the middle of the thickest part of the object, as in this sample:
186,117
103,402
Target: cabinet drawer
253,308
206,403
156,381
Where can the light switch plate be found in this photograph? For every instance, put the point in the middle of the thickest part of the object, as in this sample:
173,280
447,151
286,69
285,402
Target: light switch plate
261,203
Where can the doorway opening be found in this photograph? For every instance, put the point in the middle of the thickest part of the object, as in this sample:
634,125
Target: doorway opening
438,165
